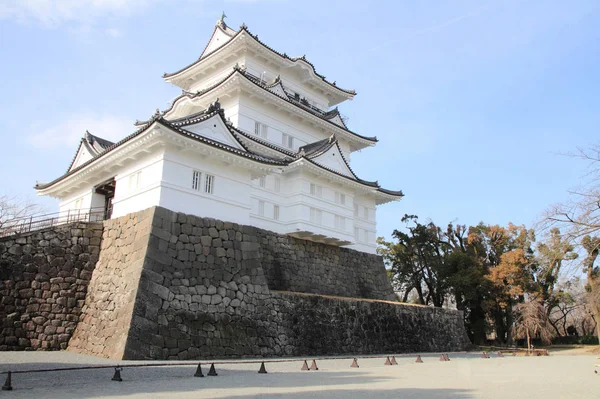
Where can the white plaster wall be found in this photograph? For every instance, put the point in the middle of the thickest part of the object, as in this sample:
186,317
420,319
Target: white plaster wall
218,39
270,198
80,201
279,122
230,200
82,157
366,223
300,201
147,193
215,75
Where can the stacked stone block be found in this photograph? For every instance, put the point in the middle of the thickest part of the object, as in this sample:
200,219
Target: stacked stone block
173,286
44,277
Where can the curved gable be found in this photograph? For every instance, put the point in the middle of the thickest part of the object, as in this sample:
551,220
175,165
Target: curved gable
218,39
212,128
333,159
84,154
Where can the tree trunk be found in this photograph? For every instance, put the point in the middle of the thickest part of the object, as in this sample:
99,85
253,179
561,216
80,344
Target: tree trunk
528,341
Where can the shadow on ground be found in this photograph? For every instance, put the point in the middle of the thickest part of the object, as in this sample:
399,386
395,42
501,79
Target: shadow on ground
232,382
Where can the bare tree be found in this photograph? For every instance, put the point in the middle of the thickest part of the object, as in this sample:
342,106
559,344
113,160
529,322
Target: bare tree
531,321
14,209
581,218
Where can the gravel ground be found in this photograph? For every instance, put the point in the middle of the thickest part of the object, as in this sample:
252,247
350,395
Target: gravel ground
465,376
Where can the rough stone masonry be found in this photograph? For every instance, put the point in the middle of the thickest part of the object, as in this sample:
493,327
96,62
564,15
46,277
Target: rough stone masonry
43,281
173,286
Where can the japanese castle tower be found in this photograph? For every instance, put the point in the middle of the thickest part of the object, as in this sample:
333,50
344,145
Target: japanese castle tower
255,138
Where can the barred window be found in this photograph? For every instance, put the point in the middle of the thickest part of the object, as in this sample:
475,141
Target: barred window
209,184
196,180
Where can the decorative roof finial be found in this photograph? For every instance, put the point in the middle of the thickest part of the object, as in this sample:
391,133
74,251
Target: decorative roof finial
216,106
243,26
221,21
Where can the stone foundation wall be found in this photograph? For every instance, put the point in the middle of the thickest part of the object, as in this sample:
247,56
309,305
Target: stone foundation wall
44,277
291,264
202,293
109,305
172,286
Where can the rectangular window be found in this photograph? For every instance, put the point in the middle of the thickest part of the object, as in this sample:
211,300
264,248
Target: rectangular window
355,210
315,215
276,212
287,140
340,222
209,184
261,208
356,234
340,198
262,181
77,204
261,130
365,212
134,181
196,180
316,190
277,182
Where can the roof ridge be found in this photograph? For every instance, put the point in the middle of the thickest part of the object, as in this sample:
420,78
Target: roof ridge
244,28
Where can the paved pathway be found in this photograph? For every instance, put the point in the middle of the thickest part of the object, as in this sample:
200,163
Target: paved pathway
465,376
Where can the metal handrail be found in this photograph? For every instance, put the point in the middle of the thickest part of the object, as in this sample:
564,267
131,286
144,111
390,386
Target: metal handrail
38,222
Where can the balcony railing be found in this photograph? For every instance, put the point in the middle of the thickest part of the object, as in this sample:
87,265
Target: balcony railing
38,222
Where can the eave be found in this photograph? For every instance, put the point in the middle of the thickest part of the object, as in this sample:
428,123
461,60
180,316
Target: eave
243,39
362,187
238,80
142,141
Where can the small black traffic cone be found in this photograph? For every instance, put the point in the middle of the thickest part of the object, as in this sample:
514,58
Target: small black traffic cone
262,369
305,366
354,363
394,362
212,372
199,371
387,361
8,383
419,360
313,366
117,375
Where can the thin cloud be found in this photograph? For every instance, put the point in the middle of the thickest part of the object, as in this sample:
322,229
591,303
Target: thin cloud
433,28
68,133
53,13
114,33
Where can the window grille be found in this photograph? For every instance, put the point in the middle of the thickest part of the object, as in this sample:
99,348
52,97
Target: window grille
196,180
209,184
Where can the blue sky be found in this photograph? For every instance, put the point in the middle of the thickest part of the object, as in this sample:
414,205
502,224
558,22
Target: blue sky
472,101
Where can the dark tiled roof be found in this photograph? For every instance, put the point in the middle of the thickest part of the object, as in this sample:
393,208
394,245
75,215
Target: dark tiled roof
94,144
99,144
317,148
398,193
244,28
283,151
326,116
158,119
